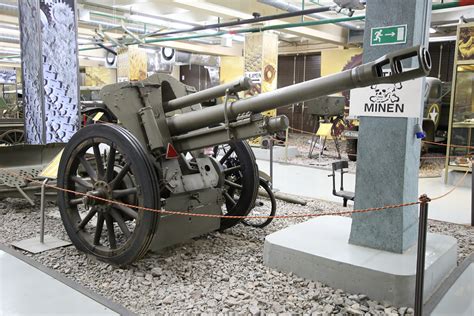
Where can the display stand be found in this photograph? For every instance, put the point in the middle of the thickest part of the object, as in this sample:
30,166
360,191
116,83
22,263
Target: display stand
44,242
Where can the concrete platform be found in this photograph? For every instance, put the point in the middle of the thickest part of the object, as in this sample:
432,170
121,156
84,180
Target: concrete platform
28,288
319,250
455,176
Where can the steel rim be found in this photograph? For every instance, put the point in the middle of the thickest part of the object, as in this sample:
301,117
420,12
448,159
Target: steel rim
240,180
102,166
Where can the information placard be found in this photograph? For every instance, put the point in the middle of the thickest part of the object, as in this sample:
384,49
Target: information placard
388,100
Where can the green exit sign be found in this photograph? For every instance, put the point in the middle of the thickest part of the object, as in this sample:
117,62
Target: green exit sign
388,35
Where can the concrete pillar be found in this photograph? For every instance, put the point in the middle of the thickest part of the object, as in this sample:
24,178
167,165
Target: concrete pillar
131,63
260,64
50,70
261,60
388,152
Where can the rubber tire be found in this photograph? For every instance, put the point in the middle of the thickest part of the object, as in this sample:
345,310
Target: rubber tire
250,184
265,185
145,230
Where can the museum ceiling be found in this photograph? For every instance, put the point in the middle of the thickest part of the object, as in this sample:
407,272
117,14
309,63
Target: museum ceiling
113,22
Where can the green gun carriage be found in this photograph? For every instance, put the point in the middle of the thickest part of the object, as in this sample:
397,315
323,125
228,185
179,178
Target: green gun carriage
157,157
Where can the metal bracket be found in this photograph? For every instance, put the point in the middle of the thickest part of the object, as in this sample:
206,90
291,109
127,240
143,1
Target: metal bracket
133,35
44,243
228,95
25,195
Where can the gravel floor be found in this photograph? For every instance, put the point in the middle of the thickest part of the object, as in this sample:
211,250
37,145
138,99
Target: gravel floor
431,164
217,273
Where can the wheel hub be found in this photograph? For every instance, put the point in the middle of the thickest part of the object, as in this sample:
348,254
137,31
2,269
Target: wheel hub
101,190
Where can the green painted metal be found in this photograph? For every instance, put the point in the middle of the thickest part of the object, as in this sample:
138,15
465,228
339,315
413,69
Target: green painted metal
364,75
388,35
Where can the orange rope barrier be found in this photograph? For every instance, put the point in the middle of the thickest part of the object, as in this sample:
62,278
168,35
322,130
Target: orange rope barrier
225,216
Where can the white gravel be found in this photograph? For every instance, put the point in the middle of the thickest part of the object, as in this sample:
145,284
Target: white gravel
216,273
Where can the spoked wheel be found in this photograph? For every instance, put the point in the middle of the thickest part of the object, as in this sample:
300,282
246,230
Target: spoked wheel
106,161
241,180
264,206
13,137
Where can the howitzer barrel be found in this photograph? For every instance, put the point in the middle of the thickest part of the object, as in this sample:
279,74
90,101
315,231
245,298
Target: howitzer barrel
208,94
361,76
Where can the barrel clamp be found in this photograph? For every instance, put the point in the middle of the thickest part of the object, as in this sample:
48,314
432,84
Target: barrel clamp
229,95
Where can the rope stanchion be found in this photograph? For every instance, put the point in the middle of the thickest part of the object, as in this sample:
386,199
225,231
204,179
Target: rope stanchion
309,215
420,255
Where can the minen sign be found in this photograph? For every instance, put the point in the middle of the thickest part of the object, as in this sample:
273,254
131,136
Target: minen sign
388,100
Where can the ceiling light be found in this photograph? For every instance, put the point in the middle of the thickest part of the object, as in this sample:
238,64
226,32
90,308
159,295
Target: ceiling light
9,50
432,30
173,25
11,31
92,58
442,39
150,50
82,40
105,23
10,60
8,6
239,38
9,38
222,10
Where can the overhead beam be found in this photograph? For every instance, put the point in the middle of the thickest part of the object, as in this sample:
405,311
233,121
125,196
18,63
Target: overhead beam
451,15
304,48
336,35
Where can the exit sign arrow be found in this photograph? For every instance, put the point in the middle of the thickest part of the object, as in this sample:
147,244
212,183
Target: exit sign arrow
388,35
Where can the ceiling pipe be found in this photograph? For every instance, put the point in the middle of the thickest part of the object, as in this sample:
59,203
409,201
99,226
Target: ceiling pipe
285,6
245,30
256,19
435,7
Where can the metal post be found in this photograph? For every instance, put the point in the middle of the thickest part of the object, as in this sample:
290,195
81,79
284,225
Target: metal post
271,162
472,194
43,185
420,256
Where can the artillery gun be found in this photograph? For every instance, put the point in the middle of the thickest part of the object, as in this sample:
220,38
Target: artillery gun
155,158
